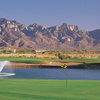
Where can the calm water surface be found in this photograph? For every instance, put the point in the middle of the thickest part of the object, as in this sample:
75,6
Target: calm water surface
59,74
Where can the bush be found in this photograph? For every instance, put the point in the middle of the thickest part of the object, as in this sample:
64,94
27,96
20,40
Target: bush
68,57
61,56
76,57
6,51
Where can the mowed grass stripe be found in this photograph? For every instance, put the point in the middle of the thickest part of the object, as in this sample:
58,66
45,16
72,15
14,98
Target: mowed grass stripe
38,89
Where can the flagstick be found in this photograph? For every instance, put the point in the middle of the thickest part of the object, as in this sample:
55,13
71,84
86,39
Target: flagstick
66,78
65,67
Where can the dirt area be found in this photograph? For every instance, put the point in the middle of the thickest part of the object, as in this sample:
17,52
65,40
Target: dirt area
51,64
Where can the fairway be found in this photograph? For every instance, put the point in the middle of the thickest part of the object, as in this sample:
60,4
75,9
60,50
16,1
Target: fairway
44,60
24,60
38,89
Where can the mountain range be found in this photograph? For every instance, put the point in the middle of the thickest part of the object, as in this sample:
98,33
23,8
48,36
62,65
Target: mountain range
65,37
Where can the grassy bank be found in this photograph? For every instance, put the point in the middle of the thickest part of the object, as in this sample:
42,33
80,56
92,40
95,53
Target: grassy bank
32,89
81,60
42,60
24,60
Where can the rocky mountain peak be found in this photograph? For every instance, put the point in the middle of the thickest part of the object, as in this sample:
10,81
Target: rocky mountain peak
67,37
36,26
10,25
69,27
3,20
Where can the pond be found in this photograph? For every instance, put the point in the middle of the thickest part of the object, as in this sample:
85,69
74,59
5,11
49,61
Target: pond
56,73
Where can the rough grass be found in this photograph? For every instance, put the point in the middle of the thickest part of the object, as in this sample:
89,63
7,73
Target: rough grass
33,89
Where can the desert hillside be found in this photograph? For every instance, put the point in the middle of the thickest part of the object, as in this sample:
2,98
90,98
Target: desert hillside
67,37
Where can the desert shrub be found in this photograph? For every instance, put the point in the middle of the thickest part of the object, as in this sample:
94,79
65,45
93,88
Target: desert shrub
76,57
6,51
68,57
61,56
24,51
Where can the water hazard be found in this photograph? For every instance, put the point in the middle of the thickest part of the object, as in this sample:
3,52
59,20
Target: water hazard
57,73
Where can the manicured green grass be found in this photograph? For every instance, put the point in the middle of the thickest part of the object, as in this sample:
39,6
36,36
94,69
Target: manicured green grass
79,60
33,89
24,60
42,60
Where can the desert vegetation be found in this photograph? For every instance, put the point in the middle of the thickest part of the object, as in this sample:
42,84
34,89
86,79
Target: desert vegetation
52,56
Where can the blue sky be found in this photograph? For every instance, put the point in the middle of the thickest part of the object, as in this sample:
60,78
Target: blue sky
84,13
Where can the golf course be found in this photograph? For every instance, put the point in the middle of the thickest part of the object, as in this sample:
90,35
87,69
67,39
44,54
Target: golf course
49,50
39,89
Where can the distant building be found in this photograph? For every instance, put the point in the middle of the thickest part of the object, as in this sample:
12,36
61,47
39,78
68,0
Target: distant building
39,51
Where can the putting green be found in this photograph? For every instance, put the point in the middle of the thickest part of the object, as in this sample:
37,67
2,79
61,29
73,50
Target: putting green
38,89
